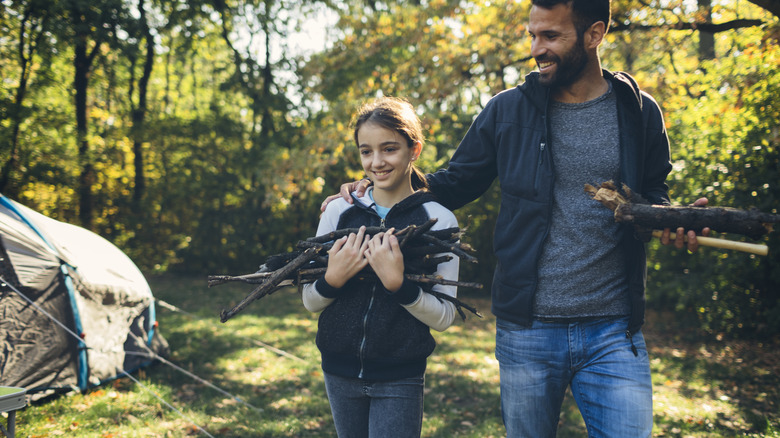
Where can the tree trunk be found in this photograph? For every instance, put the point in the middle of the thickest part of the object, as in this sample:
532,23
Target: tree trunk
83,59
82,63
26,49
706,38
139,113
16,118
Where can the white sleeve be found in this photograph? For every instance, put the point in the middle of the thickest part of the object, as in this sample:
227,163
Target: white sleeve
313,301
435,313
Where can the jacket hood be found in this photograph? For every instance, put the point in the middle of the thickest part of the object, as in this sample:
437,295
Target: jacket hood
415,199
539,94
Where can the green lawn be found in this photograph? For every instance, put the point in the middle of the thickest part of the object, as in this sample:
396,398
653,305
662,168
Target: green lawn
265,368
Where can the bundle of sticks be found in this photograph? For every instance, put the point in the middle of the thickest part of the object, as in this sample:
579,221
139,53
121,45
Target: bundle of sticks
422,249
648,219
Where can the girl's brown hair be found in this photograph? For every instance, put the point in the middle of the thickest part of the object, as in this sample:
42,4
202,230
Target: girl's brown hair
397,115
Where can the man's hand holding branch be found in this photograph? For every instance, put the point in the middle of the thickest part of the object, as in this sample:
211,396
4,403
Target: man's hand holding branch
681,236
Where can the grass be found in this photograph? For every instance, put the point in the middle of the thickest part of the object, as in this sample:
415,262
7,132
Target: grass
266,368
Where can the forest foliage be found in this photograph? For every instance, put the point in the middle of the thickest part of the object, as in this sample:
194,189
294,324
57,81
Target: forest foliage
202,136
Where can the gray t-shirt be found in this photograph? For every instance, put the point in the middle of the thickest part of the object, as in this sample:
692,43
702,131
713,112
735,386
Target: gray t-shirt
582,272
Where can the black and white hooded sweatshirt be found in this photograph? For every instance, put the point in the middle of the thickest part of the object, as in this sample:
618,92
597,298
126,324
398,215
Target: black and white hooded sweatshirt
364,330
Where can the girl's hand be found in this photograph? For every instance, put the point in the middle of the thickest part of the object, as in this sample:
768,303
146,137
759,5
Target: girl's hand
385,257
346,258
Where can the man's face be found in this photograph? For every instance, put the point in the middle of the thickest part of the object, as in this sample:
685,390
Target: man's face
559,53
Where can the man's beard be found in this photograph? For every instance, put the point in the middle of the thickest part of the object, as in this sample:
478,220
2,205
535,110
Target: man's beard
568,67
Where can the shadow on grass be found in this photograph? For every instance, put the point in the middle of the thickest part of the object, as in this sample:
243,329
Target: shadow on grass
266,356
732,386
462,384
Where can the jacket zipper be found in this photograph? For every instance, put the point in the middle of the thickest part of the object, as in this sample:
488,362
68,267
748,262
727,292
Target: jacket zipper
542,147
537,180
365,325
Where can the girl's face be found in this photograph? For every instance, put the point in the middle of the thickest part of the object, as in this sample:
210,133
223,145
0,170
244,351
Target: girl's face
387,160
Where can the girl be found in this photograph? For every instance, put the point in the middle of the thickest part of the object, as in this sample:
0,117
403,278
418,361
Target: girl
374,335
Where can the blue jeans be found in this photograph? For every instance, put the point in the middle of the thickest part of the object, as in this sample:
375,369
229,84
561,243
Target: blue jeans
374,409
610,384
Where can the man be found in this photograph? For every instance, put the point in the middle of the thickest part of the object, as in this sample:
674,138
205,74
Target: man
568,289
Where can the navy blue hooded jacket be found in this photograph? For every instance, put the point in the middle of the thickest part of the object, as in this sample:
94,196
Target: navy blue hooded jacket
366,331
510,140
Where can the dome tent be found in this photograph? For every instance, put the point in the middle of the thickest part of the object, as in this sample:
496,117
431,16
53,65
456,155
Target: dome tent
75,311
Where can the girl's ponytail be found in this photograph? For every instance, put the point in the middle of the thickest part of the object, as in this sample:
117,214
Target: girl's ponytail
419,182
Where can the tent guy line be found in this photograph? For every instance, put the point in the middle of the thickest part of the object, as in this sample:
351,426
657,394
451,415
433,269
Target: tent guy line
137,382
152,355
262,344
119,370
3,282
84,283
62,275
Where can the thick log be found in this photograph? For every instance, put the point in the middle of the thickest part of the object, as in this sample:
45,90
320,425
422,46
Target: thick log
629,208
750,223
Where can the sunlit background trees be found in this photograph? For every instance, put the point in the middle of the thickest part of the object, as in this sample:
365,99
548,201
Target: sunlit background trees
201,136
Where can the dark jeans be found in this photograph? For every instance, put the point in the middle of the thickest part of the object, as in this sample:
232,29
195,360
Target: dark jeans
374,409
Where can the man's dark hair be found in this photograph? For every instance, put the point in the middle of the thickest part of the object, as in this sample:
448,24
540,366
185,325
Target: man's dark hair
584,12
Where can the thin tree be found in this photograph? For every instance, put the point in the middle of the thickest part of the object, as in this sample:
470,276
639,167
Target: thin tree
91,24
32,29
139,110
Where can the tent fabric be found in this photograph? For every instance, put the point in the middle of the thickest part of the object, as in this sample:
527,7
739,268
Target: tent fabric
87,284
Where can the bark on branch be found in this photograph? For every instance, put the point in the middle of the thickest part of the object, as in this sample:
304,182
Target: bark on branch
631,208
704,27
418,244
270,284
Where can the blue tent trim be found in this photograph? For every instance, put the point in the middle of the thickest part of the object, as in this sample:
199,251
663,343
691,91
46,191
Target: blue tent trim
152,323
80,375
83,369
10,206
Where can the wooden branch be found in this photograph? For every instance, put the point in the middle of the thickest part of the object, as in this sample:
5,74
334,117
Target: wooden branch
257,277
436,243
752,248
438,280
429,261
458,303
414,231
631,208
453,248
370,231
308,275
750,223
703,27
308,263
270,284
